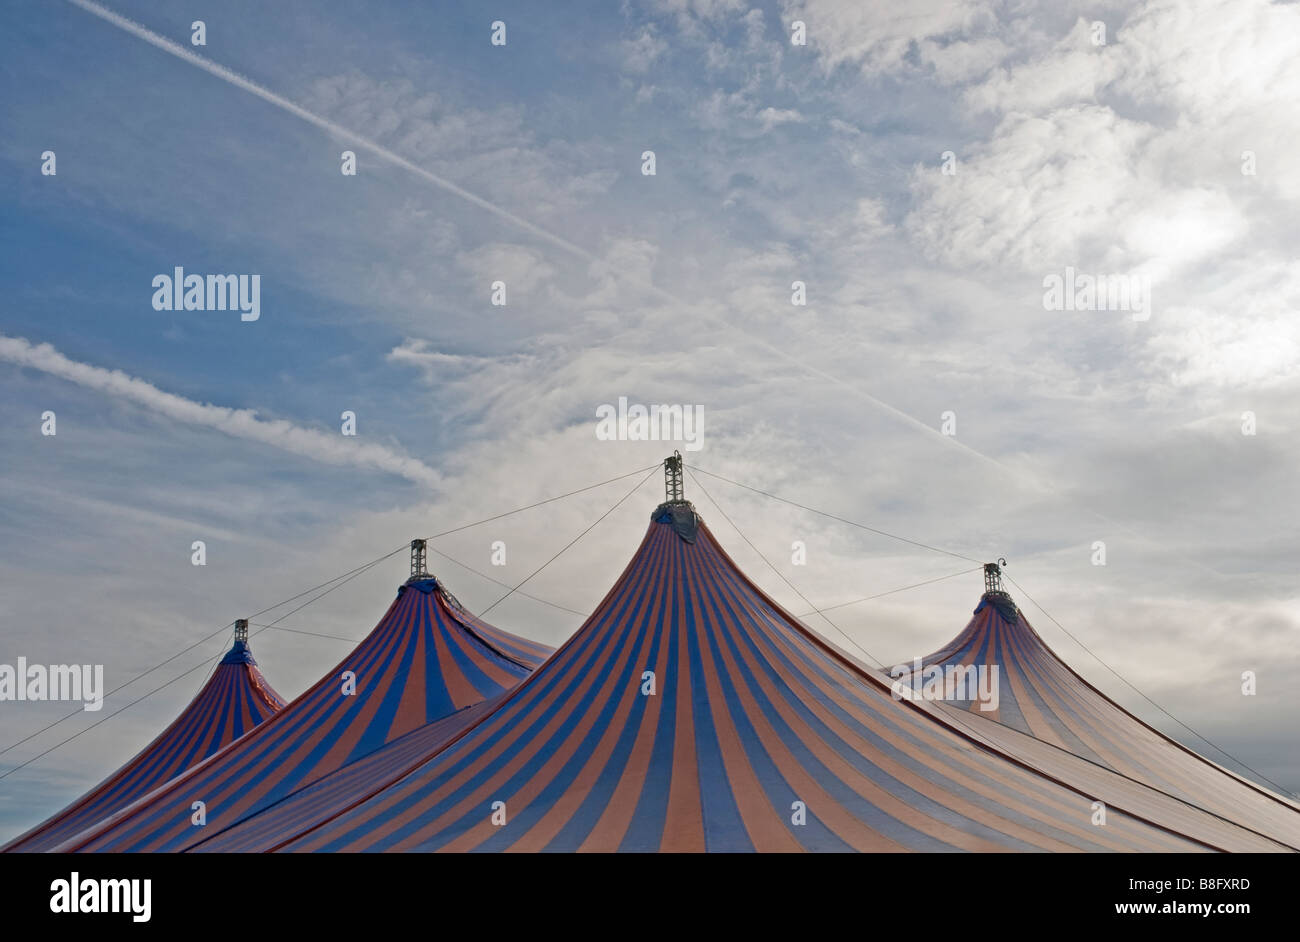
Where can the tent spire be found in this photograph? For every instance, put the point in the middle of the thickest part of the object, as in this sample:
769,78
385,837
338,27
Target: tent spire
673,478
241,630
993,576
419,568
995,594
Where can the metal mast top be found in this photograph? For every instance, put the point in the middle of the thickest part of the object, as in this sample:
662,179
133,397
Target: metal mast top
673,493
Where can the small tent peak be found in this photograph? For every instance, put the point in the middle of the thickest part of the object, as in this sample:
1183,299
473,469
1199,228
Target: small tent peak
240,652
426,585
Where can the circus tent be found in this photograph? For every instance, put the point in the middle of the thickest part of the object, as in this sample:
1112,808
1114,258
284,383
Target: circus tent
1042,697
690,712
416,677
235,699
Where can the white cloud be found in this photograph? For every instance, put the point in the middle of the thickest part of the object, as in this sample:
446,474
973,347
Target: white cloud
482,150
771,117
1036,195
437,367
1210,57
1068,72
642,50
1241,334
691,13
877,37
522,269
737,114
962,60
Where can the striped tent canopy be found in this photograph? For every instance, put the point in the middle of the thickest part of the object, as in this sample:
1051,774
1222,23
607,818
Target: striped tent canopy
1041,696
691,713
428,659
307,808
233,701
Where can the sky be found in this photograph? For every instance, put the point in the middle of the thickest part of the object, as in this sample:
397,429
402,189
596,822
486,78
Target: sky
924,170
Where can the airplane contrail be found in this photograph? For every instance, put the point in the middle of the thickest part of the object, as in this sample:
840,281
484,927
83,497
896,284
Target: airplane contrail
239,81
238,423
234,78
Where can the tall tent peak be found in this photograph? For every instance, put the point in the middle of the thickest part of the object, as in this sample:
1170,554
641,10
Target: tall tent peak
676,510
673,490
419,562
995,594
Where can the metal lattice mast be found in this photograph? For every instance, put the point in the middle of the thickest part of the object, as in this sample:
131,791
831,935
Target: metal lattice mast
673,478
241,629
419,568
993,577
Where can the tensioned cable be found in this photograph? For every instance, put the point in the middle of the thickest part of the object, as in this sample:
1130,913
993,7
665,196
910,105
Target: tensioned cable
455,561
778,572
118,688
191,647
852,523
1098,659
450,559
484,575
303,631
881,595
653,469
549,500
572,611
64,742
458,529
356,572
344,576
203,663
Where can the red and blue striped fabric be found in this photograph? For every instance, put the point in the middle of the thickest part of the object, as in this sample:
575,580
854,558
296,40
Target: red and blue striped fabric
233,701
330,796
426,660
1040,695
691,713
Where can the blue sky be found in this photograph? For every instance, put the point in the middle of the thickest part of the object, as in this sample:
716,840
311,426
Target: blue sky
775,163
